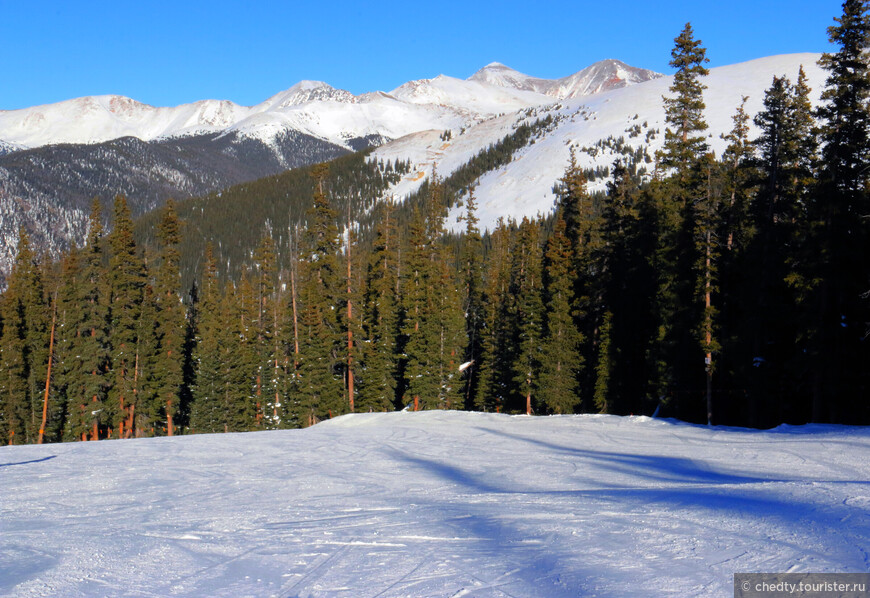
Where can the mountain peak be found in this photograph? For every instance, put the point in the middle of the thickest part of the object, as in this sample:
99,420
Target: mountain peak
308,91
601,76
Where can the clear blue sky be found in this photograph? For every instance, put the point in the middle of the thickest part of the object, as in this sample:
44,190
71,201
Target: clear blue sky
166,53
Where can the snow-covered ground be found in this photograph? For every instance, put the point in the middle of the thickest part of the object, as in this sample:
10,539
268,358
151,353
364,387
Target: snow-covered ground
435,504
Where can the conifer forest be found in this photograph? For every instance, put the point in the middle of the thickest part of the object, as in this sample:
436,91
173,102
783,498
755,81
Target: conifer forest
730,289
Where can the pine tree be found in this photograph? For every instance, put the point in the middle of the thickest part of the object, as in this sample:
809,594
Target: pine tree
319,385
528,314
171,322
684,143
21,325
126,287
381,318
493,392
561,359
627,284
87,367
841,212
583,231
684,155
472,274
207,409
783,166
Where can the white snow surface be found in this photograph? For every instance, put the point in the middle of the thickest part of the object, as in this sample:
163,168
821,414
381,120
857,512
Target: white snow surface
435,504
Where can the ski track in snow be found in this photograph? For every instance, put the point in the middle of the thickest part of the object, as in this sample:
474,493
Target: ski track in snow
435,504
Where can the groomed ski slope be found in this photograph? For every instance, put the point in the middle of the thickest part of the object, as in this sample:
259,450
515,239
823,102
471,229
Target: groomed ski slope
435,504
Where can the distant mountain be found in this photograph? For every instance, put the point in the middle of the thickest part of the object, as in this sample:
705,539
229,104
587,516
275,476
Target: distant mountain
311,107
601,76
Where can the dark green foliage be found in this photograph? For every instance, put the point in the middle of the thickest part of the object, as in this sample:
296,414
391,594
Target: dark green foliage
319,385
526,294
836,278
472,303
381,318
126,280
23,311
495,370
560,355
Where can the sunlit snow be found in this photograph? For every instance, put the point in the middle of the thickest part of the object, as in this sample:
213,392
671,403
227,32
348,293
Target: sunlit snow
435,504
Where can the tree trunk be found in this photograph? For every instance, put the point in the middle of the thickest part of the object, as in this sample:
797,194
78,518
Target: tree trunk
170,429
708,330
48,373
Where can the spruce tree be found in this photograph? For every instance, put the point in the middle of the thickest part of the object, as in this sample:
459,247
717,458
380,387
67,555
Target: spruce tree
684,157
15,347
126,282
493,390
528,315
472,274
381,318
776,209
319,383
840,211
627,285
88,371
171,322
207,409
560,359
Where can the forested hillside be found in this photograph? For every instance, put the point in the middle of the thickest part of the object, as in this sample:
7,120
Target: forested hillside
727,289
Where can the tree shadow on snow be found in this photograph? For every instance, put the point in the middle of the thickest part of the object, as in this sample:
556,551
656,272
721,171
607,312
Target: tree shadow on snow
28,462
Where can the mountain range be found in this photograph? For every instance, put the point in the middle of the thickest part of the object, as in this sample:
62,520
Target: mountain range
54,159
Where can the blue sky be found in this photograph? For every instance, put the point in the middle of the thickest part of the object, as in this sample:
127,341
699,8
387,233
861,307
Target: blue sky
167,53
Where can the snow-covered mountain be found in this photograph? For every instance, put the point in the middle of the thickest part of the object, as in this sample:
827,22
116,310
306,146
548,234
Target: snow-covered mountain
598,126
311,107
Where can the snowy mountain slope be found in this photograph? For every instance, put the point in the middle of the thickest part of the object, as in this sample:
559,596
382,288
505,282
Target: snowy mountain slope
435,504
635,113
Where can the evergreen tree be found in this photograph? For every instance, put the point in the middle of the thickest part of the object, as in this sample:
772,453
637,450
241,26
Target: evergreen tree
126,281
839,276
561,359
583,231
87,315
381,318
472,275
493,391
171,321
319,383
684,142
627,284
684,155
21,326
208,410
528,314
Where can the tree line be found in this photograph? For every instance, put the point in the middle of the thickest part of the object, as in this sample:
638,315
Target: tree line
730,289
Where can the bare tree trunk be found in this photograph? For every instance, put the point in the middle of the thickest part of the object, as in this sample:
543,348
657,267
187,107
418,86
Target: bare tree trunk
708,329
170,428
48,373
349,318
